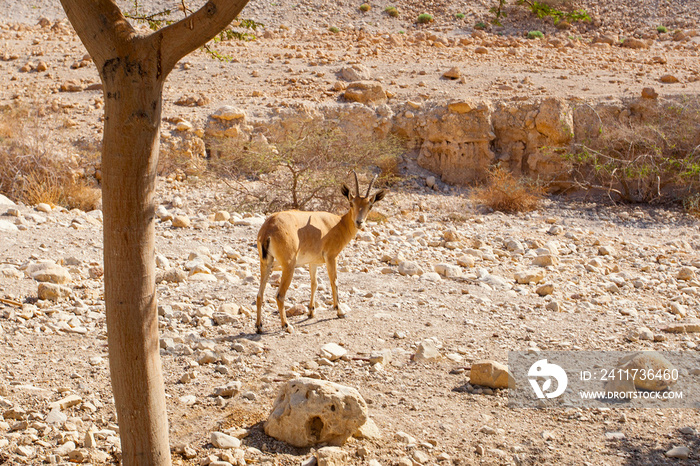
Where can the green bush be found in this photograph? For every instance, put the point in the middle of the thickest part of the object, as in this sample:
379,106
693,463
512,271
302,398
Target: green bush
535,35
459,16
391,11
480,25
334,29
365,7
661,29
425,18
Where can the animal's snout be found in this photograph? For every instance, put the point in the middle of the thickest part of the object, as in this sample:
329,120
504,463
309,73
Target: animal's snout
359,223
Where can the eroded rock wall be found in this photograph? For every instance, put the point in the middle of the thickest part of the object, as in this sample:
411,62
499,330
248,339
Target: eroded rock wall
459,140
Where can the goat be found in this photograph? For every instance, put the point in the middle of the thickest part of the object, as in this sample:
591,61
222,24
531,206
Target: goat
293,238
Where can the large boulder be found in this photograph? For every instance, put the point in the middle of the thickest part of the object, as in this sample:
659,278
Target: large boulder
650,369
309,411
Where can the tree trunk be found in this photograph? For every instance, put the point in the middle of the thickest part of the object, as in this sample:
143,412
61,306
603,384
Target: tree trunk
133,69
133,92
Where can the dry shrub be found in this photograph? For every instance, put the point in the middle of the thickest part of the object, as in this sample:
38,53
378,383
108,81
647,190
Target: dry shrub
650,156
505,193
306,169
30,173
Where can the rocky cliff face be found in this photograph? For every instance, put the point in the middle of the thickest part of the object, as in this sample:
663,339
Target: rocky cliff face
459,140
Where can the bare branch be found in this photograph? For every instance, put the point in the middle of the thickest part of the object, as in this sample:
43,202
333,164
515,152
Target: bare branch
179,39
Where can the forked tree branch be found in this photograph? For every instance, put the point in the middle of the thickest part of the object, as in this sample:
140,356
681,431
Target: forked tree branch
107,34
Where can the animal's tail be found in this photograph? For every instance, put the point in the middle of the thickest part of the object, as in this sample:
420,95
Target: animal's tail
264,247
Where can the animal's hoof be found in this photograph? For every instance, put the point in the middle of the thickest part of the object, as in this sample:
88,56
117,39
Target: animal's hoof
312,312
258,329
289,328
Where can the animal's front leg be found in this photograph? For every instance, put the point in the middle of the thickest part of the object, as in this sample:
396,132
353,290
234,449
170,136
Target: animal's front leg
331,266
314,284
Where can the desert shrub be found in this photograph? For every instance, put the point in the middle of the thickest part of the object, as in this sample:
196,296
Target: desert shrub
480,25
535,35
459,16
391,11
661,29
558,10
425,18
306,169
334,29
365,7
650,159
31,173
506,193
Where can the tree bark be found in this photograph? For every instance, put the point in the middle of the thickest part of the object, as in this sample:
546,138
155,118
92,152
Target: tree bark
133,69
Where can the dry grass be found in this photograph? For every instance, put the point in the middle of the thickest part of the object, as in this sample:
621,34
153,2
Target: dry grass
30,172
505,193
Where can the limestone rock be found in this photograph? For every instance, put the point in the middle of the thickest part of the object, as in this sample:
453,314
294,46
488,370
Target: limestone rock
452,73
53,292
7,226
228,112
181,221
678,452
332,456
366,92
410,268
632,43
669,79
309,411
368,430
355,72
530,276
645,362
427,351
448,270
686,273
688,326
649,93
175,275
332,351
49,272
490,373
221,440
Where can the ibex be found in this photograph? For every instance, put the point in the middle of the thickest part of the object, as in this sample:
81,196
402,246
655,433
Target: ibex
293,238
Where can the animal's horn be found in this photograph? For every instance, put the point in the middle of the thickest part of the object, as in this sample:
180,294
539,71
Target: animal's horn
369,188
357,184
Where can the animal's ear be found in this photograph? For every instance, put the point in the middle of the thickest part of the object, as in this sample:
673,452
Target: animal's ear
345,191
378,196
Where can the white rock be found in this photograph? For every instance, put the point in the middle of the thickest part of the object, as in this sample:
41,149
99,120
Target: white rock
410,268
221,440
309,411
7,227
427,351
678,452
332,351
448,270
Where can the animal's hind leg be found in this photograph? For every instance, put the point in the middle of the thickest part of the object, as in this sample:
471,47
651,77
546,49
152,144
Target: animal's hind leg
265,270
285,281
314,284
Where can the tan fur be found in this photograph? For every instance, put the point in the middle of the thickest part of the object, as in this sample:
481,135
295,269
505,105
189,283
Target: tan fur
295,238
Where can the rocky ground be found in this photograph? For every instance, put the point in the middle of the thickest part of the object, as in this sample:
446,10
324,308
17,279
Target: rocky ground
438,268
